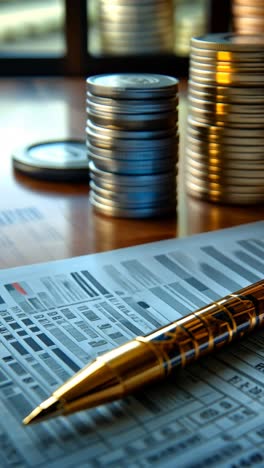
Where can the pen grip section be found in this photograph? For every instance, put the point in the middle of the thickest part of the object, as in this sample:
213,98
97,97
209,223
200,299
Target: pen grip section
209,328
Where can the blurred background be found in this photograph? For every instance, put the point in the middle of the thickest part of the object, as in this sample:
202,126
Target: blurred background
78,37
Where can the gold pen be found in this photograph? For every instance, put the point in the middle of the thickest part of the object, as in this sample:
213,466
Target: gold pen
147,359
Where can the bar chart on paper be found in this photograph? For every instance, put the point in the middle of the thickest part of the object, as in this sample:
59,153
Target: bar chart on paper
56,317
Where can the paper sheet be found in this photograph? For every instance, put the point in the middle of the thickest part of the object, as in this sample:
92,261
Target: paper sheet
56,317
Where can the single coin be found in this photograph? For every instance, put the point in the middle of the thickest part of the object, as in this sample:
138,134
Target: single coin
130,23
250,144
227,78
228,177
252,21
215,132
101,131
143,196
120,204
118,166
128,42
231,90
224,151
226,67
159,188
221,108
233,120
53,160
246,2
231,151
139,180
227,56
229,42
137,122
119,144
137,155
133,85
248,168
206,193
133,106
226,188
132,213
226,98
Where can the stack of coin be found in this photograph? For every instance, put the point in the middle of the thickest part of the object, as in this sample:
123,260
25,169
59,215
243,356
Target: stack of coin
248,16
132,141
190,19
225,131
135,27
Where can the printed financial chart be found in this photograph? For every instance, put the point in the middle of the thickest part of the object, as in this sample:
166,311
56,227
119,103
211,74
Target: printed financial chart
56,317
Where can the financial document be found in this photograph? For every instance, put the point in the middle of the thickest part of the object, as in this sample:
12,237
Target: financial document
56,317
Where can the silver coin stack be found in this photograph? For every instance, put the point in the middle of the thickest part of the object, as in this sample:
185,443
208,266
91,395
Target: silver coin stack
248,16
225,130
136,27
132,141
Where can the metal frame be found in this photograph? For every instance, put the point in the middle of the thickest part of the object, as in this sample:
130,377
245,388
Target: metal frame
77,61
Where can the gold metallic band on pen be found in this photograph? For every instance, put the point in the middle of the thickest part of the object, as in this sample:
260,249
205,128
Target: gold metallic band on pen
210,327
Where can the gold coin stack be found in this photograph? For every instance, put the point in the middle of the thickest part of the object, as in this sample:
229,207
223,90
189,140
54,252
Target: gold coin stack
136,27
225,131
248,16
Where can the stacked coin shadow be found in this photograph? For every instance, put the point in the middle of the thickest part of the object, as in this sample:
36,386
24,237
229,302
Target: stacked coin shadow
135,27
225,130
132,142
248,16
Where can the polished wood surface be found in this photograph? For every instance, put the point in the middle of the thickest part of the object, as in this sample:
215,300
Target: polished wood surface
41,220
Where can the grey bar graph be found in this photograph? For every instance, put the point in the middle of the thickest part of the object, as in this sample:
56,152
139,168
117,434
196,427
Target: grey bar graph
142,311
219,277
247,245
172,266
249,260
170,300
231,264
185,293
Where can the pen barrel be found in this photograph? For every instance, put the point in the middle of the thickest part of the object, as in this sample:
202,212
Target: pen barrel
208,328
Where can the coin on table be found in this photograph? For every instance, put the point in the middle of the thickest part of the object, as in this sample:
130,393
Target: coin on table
64,160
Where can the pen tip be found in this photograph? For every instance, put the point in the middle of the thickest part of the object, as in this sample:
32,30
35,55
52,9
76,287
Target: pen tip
46,410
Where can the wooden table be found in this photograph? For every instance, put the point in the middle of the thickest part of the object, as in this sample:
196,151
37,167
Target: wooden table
43,220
